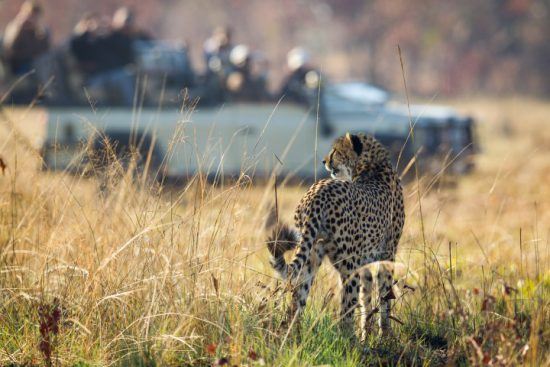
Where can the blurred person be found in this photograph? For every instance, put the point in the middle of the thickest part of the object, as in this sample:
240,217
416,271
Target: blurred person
303,81
25,38
216,52
242,83
106,56
84,43
303,85
124,23
217,49
119,41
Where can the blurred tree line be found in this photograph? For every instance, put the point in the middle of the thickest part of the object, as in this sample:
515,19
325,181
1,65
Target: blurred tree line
449,47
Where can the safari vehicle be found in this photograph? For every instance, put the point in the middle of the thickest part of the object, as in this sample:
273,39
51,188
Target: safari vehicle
257,138
223,138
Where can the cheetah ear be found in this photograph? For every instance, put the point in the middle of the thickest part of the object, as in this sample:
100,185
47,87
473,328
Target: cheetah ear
355,143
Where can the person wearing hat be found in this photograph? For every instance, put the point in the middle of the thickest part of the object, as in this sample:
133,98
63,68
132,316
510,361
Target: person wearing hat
303,81
242,84
303,85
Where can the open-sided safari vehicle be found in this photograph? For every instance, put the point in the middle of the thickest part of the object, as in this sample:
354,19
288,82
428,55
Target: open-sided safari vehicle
256,138
224,137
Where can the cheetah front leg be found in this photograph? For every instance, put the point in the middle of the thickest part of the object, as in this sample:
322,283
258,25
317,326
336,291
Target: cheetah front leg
385,292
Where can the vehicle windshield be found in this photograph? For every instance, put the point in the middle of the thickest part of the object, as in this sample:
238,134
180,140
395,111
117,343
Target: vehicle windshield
360,92
354,96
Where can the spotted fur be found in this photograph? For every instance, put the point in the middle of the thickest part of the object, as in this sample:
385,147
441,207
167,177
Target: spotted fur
354,218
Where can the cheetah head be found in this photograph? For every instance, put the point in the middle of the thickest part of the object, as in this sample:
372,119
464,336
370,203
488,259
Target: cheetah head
353,154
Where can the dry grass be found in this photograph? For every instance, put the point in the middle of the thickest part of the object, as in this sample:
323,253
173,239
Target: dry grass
135,274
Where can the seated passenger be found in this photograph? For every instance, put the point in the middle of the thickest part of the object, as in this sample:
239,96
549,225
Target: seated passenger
124,24
83,44
217,49
107,58
303,82
242,83
25,38
303,85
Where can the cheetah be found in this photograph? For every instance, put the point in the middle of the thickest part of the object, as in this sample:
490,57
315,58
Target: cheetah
354,218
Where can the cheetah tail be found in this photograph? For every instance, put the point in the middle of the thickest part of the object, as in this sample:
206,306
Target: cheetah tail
282,239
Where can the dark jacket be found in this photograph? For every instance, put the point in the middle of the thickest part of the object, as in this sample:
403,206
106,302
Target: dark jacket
97,54
23,44
295,88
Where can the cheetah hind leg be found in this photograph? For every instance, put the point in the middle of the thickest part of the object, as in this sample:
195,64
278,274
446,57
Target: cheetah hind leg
385,292
350,293
365,300
301,285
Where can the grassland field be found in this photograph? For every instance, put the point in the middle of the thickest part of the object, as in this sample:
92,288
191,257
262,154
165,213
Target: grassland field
109,270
